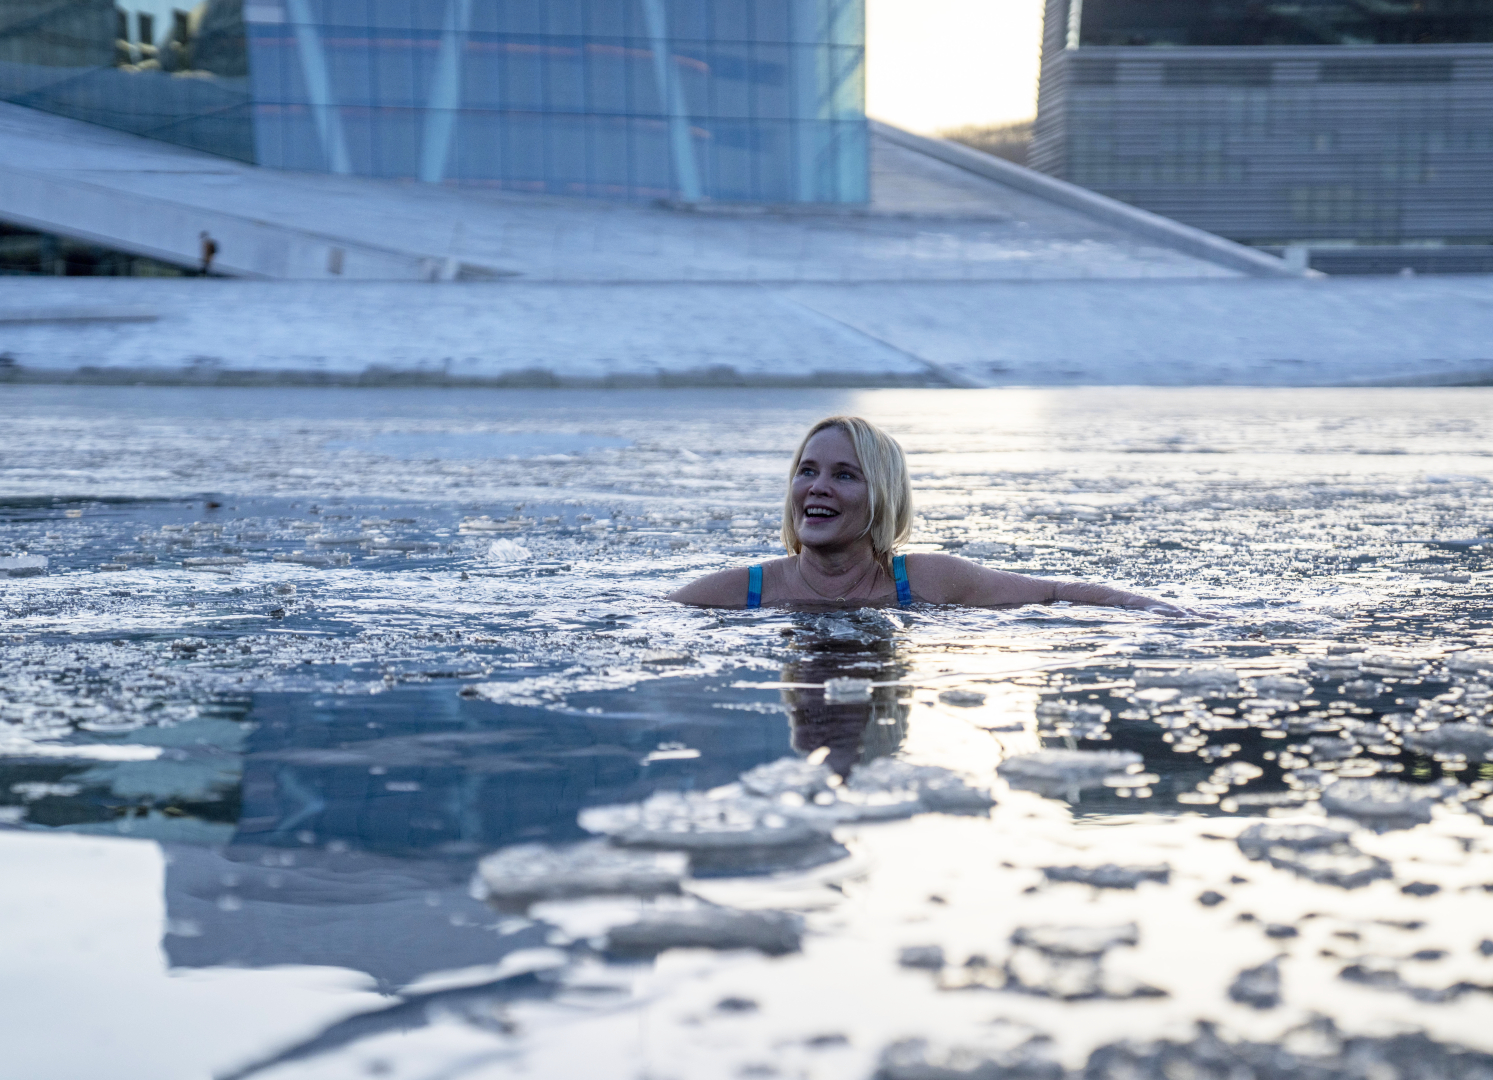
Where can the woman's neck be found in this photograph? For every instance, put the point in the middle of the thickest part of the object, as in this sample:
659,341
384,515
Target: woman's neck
840,572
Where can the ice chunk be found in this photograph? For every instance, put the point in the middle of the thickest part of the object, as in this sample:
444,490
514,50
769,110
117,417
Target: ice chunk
485,524
1466,742
1258,987
515,877
1314,852
404,545
23,565
1076,940
737,834
303,559
772,932
962,699
1065,962
1282,687
921,956
847,691
1056,772
1064,718
1257,841
1109,876
980,1055
1384,664
1207,676
1471,663
1380,804
789,775
934,788
507,551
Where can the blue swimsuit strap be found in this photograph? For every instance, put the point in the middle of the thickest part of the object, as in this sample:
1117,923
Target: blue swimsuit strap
899,572
904,590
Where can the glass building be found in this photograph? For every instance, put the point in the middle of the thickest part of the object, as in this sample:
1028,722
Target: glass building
1323,124
732,100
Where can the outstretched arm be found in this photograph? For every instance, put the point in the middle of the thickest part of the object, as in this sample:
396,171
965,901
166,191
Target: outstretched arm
947,579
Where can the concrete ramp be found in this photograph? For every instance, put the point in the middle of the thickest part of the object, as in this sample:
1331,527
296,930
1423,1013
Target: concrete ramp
938,213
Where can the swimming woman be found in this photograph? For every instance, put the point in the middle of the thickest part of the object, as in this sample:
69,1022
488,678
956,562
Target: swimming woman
847,510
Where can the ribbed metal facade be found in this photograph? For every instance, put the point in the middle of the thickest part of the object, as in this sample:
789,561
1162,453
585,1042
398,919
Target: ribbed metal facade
1273,145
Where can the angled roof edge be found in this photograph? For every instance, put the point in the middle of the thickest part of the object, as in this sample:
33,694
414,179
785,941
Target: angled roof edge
1141,223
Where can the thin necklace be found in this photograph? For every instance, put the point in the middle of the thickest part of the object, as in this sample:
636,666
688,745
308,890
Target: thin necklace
836,599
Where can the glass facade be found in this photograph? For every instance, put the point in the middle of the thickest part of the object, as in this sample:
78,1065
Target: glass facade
732,100
146,68
1294,22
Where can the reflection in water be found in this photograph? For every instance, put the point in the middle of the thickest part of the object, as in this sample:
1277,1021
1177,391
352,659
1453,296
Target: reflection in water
860,724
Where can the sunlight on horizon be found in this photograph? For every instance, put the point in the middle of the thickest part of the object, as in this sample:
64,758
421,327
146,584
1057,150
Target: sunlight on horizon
937,64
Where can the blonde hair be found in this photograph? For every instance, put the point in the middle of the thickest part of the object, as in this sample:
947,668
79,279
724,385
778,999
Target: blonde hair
889,487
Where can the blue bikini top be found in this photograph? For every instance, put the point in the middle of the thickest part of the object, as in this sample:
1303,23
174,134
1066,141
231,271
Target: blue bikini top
899,574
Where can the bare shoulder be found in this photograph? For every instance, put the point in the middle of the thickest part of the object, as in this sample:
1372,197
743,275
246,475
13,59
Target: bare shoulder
948,579
724,588
941,579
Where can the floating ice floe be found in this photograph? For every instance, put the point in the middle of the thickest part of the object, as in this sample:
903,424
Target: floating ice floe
1383,974
720,832
1384,664
847,691
1108,876
775,933
23,565
303,558
1057,772
1066,962
933,788
1380,804
406,546
214,565
880,790
333,540
791,776
1258,987
980,1055
1207,676
507,551
485,524
1065,718
1314,852
1283,687
515,877
1454,742
1471,663
962,699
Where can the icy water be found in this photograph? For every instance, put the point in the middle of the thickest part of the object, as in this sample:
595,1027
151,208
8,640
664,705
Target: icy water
345,734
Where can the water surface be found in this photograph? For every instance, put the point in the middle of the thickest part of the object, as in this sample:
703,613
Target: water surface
299,659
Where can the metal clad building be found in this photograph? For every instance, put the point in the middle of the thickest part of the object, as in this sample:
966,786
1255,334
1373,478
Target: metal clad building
735,100
1318,123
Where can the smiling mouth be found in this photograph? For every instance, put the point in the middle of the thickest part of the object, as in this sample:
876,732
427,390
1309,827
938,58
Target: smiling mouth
820,512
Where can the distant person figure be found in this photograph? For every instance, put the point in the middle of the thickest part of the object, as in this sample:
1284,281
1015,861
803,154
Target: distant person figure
847,510
209,251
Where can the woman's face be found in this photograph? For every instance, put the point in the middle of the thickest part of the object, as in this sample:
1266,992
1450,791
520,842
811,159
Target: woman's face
831,500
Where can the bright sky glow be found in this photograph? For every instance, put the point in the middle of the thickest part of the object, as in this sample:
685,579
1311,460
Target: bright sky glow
934,64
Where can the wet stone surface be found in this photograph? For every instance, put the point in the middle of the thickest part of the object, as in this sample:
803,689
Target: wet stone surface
361,714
